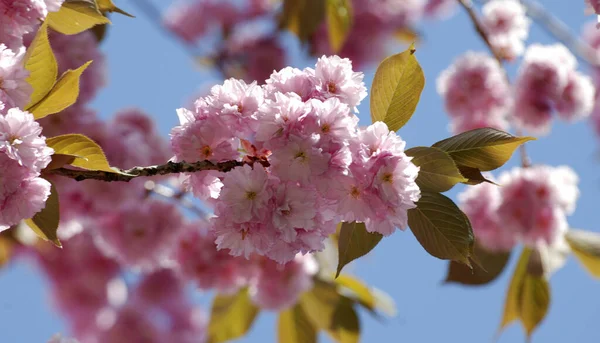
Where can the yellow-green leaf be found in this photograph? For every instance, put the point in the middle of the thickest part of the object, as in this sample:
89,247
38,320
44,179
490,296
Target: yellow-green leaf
63,94
345,327
438,172
231,317
302,17
6,249
407,35
491,265
319,304
42,66
76,16
535,301
512,305
88,155
339,22
442,228
397,87
586,247
354,242
59,161
295,327
485,149
109,6
360,291
473,175
45,222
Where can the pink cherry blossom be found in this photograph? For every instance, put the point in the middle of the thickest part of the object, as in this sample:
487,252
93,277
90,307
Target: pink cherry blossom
507,26
246,191
334,119
280,118
337,79
203,139
279,286
58,338
577,99
18,18
291,80
21,140
294,208
242,239
139,235
14,89
53,5
300,160
475,92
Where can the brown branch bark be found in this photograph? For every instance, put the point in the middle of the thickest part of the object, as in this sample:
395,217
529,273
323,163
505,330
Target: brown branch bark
127,175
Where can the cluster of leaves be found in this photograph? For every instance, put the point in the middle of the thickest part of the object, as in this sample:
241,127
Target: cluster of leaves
51,95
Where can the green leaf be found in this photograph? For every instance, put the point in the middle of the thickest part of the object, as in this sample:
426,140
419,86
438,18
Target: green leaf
63,94
345,327
295,327
473,175
339,22
442,228
354,242
231,317
491,265
88,155
485,149
361,291
319,304
6,249
59,161
438,172
586,247
397,87
42,66
109,6
528,296
76,16
45,222
302,17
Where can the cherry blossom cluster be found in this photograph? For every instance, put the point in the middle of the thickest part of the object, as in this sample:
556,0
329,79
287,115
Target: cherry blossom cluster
20,17
308,168
591,35
23,155
476,92
507,26
530,207
593,7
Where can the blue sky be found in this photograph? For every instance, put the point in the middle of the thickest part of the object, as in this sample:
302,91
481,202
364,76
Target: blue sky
148,69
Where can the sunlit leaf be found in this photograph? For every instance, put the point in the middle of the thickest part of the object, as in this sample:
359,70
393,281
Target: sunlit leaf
231,317
6,249
491,265
63,94
359,290
535,301
512,305
586,247
354,242
485,149
76,16
88,155
438,172
109,6
41,64
345,327
441,228
397,87
320,303
302,17
339,22
59,161
295,327
407,35
45,222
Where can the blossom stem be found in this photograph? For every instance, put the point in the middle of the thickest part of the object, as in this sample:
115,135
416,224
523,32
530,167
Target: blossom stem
468,6
130,174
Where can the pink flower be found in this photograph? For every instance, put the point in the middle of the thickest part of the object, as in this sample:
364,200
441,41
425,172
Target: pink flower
577,99
22,194
294,208
280,118
252,55
291,80
475,92
242,239
334,120
507,25
200,261
203,139
139,234
440,8
53,5
14,89
299,160
21,140
58,338
186,20
128,324
279,286
245,193
337,79
18,18
480,203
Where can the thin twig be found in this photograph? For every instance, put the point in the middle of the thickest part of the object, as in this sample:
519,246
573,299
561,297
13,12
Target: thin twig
561,32
169,193
130,174
468,6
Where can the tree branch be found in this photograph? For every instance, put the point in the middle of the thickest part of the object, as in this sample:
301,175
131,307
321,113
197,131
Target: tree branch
164,169
468,6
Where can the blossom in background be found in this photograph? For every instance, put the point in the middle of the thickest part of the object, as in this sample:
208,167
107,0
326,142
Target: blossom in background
507,26
14,89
